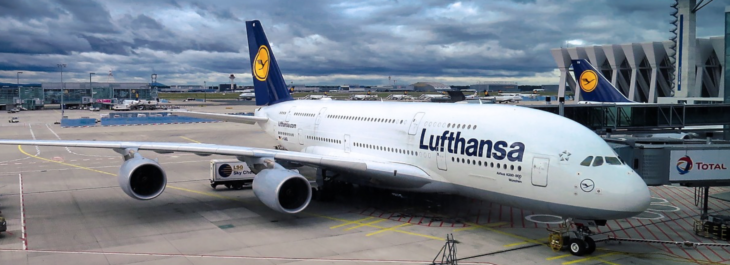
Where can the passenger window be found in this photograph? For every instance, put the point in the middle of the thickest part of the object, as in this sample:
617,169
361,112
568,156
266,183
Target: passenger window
598,161
587,161
613,160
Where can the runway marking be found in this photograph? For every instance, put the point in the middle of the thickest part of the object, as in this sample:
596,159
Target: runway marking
365,224
23,236
351,222
240,257
559,257
20,148
388,229
525,239
190,139
525,242
37,150
593,258
476,226
376,226
69,150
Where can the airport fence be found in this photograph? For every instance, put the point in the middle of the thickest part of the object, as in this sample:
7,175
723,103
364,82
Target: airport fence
83,122
145,118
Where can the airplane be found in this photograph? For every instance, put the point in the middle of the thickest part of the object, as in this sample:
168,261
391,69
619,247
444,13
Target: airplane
507,154
247,95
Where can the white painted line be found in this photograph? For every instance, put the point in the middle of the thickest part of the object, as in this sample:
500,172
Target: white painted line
23,235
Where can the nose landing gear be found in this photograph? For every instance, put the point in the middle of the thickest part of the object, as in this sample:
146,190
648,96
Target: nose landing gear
578,242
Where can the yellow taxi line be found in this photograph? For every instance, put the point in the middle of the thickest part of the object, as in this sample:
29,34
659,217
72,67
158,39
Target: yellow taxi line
388,229
365,224
590,258
194,141
352,222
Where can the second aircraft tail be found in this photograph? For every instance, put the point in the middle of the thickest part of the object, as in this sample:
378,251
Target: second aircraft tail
268,81
593,85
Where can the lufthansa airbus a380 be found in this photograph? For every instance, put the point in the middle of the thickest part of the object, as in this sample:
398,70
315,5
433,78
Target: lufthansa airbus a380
511,155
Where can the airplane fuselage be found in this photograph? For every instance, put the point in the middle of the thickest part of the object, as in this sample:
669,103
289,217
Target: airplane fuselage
507,154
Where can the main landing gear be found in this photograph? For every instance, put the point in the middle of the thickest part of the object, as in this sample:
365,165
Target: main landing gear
578,242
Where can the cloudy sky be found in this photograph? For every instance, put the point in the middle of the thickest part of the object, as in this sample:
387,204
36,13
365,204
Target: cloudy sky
320,42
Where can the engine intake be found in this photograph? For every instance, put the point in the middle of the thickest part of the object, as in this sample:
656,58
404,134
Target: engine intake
285,191
142,178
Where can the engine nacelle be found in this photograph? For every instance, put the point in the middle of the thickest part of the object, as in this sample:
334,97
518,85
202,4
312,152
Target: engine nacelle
142,178
285,191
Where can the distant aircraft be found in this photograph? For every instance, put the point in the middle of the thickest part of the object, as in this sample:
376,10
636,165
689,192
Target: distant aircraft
505,154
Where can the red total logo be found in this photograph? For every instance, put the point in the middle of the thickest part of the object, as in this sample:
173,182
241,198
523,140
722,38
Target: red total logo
710,166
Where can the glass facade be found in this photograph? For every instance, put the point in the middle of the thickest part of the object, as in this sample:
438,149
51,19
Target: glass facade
727,55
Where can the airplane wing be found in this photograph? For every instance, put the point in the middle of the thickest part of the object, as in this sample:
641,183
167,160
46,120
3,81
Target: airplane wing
222,117
409,174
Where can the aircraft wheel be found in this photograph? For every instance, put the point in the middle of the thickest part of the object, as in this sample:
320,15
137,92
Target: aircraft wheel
577,247
590,245
556,241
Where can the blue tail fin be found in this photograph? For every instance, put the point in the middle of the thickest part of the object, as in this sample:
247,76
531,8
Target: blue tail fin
593,85
268,82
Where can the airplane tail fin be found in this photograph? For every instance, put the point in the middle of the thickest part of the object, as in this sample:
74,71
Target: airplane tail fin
593,85
269,84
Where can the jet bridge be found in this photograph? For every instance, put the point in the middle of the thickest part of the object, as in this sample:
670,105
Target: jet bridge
664,161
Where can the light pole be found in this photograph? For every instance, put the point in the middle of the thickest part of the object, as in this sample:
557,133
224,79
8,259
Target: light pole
91,89
18,78
61,66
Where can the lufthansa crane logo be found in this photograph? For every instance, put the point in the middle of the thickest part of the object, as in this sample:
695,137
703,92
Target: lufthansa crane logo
588,81
587,185
225,170
261,63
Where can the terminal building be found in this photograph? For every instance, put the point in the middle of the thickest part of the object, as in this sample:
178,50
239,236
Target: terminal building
35,96
682,69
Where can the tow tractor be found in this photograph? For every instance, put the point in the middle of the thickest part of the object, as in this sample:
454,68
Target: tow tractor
579,242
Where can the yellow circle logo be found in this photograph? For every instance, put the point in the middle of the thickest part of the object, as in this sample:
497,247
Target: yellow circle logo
588,81
261,63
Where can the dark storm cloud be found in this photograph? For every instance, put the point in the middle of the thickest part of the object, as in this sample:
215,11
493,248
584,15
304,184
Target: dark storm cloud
188,41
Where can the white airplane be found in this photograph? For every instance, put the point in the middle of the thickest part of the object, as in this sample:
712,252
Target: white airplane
505,154
247,95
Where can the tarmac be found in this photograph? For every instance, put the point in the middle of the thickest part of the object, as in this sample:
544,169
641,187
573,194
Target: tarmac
64,206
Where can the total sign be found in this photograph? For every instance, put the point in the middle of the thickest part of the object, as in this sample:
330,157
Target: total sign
693,165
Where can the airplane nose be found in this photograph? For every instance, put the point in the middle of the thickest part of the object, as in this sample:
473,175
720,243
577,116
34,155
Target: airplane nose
638,195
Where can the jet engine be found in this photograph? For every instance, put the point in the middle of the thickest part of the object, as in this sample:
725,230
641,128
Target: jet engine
285,191
142,178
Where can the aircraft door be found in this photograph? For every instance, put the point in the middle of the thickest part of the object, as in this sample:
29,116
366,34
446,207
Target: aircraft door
348,145
414,124
441,161
290,113
540,171
319,116
301,136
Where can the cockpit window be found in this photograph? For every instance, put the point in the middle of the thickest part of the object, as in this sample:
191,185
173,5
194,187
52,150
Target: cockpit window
613,160
598,161
587,161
